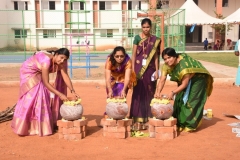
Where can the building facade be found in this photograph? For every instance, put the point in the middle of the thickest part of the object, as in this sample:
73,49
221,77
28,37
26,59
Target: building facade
38,24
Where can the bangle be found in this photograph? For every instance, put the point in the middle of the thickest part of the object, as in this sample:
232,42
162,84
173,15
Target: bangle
72,90
173,92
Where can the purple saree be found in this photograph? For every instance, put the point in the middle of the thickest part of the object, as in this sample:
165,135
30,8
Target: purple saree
118,75
143,92
33,114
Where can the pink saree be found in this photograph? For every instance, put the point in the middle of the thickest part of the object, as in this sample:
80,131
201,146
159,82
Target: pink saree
33,114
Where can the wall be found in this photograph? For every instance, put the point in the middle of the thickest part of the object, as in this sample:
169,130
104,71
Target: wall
3,20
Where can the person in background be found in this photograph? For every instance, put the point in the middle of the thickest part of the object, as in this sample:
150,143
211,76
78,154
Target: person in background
195,84
205,42
222,45
217,45
37,109
229,44
145,57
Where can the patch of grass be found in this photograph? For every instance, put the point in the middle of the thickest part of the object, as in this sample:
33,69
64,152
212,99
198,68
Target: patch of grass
227,59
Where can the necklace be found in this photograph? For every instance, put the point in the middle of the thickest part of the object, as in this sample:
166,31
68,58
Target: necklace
144,48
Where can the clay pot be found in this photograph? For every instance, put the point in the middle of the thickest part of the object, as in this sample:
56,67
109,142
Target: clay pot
162,111
71,113
117,110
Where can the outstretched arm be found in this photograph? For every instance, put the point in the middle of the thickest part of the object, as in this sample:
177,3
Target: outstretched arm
108,82
160,86
156,57
126,82
68,81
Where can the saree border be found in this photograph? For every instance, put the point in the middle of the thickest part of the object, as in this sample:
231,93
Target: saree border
199,70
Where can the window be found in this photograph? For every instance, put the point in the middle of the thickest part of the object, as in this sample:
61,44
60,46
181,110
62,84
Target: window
77,6
134,5
224,3
106,33
130,33
133,32
101,5
20,5
78,31
103,33
165,3
48,5
210,35
81,6
159,4
51,5
105,5
49,33
19,33
109,33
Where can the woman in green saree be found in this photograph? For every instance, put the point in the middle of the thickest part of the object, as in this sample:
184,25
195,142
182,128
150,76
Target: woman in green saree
194,86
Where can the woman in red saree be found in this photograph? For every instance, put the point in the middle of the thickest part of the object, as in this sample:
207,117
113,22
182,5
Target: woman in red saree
36,113
145,58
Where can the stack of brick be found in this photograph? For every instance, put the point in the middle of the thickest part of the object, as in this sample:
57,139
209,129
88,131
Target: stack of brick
116,128
72,130
162,129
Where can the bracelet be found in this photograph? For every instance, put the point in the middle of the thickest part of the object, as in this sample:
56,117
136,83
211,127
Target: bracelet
72,90
173,92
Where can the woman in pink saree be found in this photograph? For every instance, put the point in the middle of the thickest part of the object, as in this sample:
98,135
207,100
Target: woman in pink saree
36,113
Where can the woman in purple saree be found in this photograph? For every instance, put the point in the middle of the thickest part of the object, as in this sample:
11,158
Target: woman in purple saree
145,57
36,113
118,70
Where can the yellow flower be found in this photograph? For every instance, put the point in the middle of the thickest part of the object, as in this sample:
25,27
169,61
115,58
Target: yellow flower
116,100
72,103
160,101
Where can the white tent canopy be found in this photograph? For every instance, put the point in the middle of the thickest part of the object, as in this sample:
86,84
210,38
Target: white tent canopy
194,15
234,17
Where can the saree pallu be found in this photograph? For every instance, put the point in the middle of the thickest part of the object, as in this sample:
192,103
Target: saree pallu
33,114
144,90
189,114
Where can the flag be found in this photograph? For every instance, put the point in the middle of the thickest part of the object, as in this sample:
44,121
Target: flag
192,28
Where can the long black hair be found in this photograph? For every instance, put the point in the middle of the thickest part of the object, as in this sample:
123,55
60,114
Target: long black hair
61,51
118,48
170,52
146,20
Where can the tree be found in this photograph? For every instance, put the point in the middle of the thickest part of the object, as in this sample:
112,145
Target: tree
220,29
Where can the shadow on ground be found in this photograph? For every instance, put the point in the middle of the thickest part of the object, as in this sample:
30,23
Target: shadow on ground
97,119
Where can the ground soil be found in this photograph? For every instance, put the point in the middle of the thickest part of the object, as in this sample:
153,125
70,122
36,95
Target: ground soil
213,140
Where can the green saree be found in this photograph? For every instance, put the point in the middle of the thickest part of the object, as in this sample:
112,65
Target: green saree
189,115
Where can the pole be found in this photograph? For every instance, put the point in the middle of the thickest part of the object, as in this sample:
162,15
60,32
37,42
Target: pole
71,55
225,43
